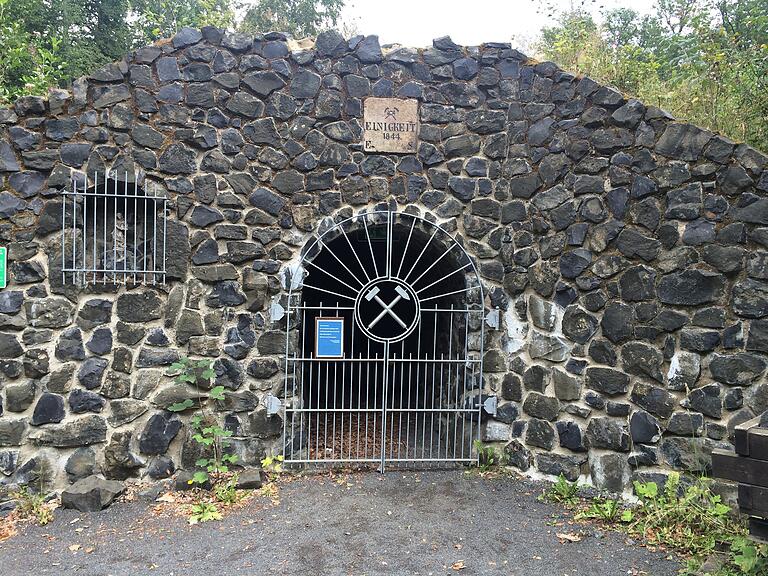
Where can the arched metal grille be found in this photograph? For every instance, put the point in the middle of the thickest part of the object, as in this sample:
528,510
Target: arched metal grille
401,304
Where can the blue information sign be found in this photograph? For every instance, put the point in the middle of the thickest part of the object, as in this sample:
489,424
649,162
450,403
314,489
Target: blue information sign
329,337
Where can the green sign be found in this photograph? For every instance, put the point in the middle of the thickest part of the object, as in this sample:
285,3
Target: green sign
3,266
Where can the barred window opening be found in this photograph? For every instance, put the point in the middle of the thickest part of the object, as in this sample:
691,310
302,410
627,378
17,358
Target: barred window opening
113,232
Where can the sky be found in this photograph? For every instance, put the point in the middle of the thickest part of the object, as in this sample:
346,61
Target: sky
416,23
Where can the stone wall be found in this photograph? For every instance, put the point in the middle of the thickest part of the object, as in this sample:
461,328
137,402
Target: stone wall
625,251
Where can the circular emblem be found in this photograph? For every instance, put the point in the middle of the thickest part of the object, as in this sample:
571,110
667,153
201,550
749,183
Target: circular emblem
387,309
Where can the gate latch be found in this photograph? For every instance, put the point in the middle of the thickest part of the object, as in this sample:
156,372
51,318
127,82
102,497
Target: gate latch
490,405
273,404
276,310
492,318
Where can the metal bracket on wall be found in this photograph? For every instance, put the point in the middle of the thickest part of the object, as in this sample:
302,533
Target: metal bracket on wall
492,318
276,310
490,405
273,404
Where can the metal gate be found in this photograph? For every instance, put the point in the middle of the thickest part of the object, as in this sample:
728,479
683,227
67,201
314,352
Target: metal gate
384,345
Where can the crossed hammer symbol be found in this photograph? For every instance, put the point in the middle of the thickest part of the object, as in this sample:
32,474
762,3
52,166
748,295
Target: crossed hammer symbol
373,294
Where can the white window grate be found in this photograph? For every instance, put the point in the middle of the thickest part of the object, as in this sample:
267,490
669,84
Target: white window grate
113,233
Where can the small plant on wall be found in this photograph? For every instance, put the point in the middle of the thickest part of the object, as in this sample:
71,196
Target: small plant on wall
213,469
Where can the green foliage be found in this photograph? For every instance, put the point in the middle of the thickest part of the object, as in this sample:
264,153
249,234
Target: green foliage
487,459
605,511
204,512
272,465
706,61
300,18
213,438
32,506
45,43
29,63
163,18
693,521
750,558
226,491
562,491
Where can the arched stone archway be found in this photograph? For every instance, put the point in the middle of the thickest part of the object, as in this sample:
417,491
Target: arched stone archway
404,384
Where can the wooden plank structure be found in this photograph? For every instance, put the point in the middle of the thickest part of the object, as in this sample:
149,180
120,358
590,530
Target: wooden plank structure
749,467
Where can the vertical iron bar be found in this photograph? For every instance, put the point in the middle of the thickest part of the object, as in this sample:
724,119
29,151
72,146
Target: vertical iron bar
458,377
434,366
114,232
135,239
144,237
95,226
165,235
104,226
74,228
367,395
480,367
449,369
378,408
154,235
85,225
400,413
440,404
384,385
351,379
327,367
64,232
360,399
317,399
301,349
472,420
388,253
408,405
125,227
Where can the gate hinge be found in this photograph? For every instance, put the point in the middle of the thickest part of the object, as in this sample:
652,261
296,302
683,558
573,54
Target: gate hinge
273,404
276,310
492,318
490,405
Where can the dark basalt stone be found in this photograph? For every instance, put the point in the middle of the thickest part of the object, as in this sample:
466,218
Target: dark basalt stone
736,369
93,313
83,401
70,345
540,406
139,307
607,380
83,431
540,433
571,436
653,399
690,287
642,359
706,400
609,434
91,372
644,428
49,409
177,159
556,464
578,325
158,433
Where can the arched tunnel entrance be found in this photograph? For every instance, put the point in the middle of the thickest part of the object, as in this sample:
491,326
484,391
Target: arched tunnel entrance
390,307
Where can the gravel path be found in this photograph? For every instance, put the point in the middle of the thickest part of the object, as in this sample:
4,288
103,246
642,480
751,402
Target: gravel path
399,523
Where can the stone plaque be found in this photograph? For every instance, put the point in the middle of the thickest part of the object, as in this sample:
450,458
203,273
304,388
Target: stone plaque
390,125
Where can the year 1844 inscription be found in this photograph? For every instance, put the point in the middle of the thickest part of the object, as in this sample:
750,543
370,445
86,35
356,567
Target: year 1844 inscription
390,125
